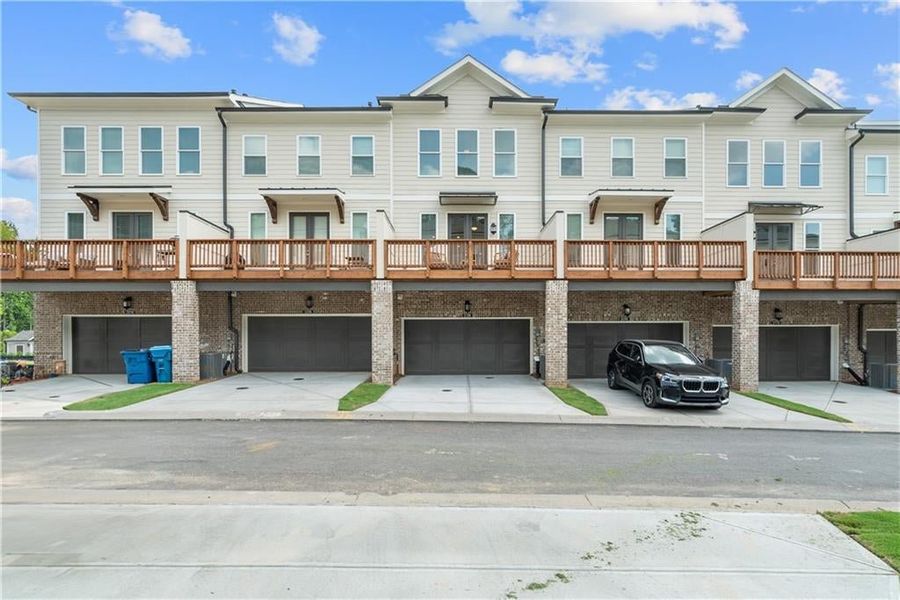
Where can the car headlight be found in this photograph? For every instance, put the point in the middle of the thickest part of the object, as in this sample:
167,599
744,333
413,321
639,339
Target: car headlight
668,378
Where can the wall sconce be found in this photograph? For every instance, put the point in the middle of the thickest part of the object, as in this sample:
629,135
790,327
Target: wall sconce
467,307
127,304
626,310
778,314
309,303
493,229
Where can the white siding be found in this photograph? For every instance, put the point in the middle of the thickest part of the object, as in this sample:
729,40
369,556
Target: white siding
873,212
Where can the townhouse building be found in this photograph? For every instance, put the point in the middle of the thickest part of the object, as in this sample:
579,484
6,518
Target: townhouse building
464,227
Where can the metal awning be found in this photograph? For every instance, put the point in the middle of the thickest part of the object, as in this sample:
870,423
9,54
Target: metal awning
470,198
310,194
781,208
92,195
656,196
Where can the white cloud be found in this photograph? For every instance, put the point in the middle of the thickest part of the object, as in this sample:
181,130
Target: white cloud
632,98
154,37
297,42
830,83
24,167
747,79
647,62
20,212
873,99
698,40
888,6
556,67
890,76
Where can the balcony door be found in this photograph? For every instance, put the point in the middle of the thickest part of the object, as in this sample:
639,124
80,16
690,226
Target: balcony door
625,226
308,226
131,226
774,236
466,226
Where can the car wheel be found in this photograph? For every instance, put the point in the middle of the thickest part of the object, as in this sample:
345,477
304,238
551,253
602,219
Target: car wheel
648,394
612,380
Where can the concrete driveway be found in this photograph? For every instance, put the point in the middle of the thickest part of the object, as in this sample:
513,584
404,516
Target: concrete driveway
471,394
865,406
36,398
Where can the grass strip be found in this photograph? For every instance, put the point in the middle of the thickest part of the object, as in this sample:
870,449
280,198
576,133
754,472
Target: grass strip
878,531
127,397
578,399
795,406
361,395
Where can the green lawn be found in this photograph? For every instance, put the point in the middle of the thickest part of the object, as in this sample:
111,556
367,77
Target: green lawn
127,397
796,407
364,393
578,399
879,531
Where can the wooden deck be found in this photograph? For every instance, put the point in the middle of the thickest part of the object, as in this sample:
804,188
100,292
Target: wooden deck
774,270
470,259
677,261
89,259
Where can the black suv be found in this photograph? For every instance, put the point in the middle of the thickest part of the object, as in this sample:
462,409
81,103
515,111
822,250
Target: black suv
665,373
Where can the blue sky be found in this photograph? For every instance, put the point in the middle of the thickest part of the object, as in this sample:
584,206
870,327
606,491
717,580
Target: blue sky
617,55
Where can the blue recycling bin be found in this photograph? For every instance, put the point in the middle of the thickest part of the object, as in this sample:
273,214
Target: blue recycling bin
138,366
162,362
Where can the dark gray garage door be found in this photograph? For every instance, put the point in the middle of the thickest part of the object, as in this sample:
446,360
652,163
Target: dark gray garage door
591,343
794,353
309,343
476,346
882,347
97,341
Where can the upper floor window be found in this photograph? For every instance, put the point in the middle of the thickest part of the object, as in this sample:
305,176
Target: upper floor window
507,228
673,226
573,226
255,154
467,152
675,157
257,226
429,153
309,155
773,163
362,155
811,164
812,236
504,153
428,226
188,150
876,175
150,142
111,160
570,156
359,225
622,157
73,150
738,165
75,226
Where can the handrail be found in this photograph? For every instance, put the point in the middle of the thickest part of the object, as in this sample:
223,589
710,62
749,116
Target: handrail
653,259
89,259
470,259
783,269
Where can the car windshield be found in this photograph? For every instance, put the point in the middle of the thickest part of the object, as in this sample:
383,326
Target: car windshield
669,355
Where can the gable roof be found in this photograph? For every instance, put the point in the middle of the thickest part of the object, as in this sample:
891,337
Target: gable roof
22,336
796,86
470,64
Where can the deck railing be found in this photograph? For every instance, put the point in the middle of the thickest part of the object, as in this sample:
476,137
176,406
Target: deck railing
470,259
655,260
281,259
826,270
89,259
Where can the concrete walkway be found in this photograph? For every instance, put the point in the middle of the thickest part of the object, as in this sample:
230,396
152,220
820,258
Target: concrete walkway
35,399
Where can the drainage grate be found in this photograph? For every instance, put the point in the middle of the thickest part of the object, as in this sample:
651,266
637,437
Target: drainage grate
839,401
243,387
299,378
489,377
52,397
781,387
446,390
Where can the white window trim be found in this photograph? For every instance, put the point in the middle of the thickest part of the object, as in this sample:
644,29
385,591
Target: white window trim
244,154
437,227
361,135
250,223
887,172
368,224
800,164
199,151
319,138
612,141
729,163
580,226
805,223
515,223
477,153
666,157
83,222
782,163
439,152
680,225
62,150
571,137
515,153
125,210
100,150
162,150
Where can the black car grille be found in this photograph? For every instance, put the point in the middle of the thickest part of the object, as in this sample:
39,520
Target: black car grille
694,386
691,385
710,386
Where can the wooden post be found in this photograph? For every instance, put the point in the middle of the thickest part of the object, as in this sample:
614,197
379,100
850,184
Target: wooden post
20,260
655,250
281,259
176,247
609,259
427,259
234,258
513,259
125,260
797,267
756,267
71,255
874,270
470,255
700,259
836,268
327,258
373,258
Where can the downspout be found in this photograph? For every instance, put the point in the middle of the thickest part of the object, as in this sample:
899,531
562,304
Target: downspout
851,220
234,332
860,342
544,169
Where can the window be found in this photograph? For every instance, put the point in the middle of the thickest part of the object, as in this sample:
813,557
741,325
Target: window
623,226
151,150
774,236
876,174
738,165
773,164
309,155
507,227
570,157
429,153
359,226
257,226
132,225
362,155
428,226
75,226
255,155
504,153
673,226
73,150
810,164
111,160
573,226
675,157
188,150
812,236
622,157
467,153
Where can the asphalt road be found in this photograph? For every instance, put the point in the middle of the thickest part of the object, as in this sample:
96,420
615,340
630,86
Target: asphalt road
398,457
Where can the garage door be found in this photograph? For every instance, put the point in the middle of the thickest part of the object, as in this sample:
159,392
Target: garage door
309,343
97,341
882,347
591,343
476,346
794,353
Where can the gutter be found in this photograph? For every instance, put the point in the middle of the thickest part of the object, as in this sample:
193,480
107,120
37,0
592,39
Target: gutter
544,169
230,295
850,208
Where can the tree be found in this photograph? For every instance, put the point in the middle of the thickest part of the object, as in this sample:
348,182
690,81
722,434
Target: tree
8,231
15,307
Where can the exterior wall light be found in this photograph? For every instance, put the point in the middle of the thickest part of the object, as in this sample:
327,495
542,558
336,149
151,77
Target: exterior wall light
309,303
467,307
493,229
626,310
127,304
778,314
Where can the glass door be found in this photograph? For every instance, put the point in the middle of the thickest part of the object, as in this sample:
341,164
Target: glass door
774,236
308,226
131,226
466,226
625,227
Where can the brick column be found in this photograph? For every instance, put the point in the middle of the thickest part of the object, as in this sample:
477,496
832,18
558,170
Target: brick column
556,333
745,336
185,331
382,331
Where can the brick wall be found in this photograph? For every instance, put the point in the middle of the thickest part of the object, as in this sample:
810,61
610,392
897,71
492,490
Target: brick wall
556,333
185,331
382,332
